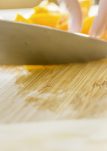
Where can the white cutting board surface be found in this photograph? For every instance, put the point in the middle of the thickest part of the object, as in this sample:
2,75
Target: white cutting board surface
9,14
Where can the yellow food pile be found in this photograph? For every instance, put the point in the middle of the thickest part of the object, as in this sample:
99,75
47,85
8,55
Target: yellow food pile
44,16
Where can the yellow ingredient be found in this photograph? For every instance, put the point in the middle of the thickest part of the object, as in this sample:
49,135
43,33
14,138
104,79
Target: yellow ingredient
63,23
47,19
43,16
63,26
85,5
20,18
87,24
39,10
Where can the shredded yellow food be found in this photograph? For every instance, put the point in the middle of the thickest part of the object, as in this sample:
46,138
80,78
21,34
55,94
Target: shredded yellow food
44,16
87,24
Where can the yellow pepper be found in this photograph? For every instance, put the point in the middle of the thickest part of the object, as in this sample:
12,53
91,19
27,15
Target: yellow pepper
47,19
42,9
87,24
20,18
85,5
63,23
43,16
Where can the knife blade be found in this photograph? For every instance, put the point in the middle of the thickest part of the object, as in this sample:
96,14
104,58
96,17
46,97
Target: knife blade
22,44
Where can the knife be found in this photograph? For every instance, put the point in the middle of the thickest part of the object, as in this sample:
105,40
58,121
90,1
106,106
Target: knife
28,44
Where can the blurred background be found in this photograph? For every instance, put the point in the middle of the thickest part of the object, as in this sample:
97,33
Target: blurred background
4,4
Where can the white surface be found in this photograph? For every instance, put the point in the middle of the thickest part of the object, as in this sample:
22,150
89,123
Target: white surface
11,13
93,11
84,135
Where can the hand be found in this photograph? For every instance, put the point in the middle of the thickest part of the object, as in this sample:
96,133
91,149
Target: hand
100,23
75,12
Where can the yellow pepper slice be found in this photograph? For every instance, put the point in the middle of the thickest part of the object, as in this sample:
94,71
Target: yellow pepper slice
63,23
85,5
87,24
20,18
47,19
42,9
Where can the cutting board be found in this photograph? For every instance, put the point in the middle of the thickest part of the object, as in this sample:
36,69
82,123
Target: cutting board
41,93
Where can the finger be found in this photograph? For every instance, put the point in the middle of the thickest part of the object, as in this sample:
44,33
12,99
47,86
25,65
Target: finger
98,27
100,21
104,35
75,12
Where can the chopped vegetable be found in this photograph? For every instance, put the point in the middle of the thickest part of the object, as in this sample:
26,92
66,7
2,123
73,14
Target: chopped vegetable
85,5
87,24
56,19
48,19
20,18
43,16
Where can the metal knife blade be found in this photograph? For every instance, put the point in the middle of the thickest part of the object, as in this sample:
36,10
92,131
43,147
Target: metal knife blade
22,44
